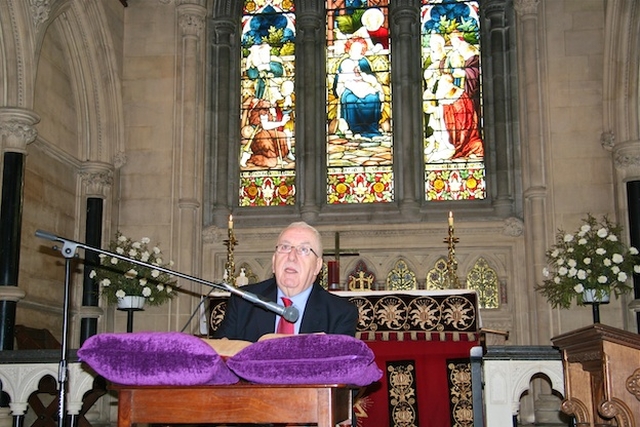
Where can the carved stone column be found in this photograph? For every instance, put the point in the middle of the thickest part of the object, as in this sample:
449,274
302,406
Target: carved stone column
224,116
535,190
497,52
97,180
407,119
17,130
310,99
189,139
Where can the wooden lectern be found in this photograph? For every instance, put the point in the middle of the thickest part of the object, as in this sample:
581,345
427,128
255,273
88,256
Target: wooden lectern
324,405
602,376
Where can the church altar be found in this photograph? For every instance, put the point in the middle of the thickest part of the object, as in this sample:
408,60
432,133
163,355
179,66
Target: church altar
422,342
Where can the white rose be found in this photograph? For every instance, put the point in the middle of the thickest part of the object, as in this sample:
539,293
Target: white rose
582,274
578,288
92,275
582,241
545,272
145,256
615,269
146,291
155,273
122,238
131,274
143,281
120,293
145,240
622,276
562,271
556,280
570,250
159,261
560,261
572,263
160,287
636,269
606,262
587,261
601,251
156,250
568,238
603,232
169,289
633,250
602,279
572,272
612,237
114,260
617,258
133,253
119,250
585,228
136,245
105,282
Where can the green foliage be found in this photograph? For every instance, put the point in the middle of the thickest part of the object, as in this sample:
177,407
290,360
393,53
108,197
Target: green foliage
594,257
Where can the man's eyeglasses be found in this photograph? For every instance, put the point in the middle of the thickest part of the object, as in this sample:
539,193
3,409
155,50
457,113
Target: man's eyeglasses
300,250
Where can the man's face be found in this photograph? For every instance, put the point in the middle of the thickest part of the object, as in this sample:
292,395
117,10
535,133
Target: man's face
295,272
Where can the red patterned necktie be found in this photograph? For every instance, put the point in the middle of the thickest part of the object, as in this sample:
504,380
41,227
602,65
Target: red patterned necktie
284,326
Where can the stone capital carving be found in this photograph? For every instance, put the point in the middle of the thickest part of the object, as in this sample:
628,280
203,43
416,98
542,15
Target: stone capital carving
17,128
513,227
40,10
526,7
97,178
608,140
191,19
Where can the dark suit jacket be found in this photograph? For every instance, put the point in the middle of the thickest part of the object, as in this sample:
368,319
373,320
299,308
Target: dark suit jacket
325,312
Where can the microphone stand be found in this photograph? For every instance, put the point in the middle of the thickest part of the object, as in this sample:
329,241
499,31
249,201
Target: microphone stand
70,247
69,251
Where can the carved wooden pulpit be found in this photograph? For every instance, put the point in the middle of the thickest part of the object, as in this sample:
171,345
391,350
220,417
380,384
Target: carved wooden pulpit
602,376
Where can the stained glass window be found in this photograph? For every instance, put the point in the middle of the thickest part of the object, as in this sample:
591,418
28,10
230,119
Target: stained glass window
453,142
359,141
267,154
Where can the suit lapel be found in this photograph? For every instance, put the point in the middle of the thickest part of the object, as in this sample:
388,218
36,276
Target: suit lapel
266,319
311,318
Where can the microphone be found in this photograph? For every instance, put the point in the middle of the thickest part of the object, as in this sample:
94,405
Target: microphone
290,314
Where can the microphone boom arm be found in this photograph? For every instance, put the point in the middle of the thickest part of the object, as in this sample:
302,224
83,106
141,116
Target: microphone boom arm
70,248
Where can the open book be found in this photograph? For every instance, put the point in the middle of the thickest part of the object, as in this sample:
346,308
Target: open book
227,348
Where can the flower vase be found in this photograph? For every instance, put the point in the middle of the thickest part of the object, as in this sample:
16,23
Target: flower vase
131,302
591,296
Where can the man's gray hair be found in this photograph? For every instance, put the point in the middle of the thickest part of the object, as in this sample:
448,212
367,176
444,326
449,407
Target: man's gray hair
302,224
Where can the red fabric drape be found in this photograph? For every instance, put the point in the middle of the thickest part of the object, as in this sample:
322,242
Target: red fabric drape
432,387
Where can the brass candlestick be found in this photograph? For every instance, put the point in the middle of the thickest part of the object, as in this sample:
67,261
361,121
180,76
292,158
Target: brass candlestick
229,266
452,264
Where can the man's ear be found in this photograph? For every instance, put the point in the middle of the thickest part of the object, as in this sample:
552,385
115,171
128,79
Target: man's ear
319,263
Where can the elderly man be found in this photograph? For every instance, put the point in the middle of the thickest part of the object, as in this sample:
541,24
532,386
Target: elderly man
296,262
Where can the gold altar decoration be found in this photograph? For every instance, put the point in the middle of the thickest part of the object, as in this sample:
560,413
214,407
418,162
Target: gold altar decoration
452,264
229,266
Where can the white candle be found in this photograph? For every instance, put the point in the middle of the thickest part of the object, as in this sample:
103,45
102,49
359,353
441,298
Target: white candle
450,219
230,222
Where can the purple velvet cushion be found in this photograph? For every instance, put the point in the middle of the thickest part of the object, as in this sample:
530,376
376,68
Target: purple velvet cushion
307,359
155,358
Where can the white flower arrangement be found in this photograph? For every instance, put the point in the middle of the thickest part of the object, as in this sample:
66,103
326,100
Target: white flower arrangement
118,278
592,258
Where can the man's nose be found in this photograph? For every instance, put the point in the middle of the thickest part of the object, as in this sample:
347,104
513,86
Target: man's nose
293,254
